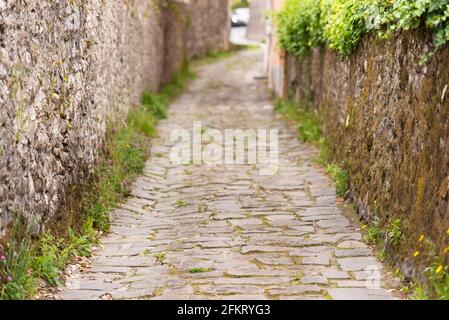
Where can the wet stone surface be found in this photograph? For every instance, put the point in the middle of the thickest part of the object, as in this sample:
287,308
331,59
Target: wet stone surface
227,232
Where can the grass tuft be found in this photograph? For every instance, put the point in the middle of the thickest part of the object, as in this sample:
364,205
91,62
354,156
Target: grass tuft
16,282
201,270
340,177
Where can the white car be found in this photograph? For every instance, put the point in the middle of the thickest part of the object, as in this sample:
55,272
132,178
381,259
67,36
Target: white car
240,17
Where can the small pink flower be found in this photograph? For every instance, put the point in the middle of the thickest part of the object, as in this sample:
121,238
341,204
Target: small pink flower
9,278
2,258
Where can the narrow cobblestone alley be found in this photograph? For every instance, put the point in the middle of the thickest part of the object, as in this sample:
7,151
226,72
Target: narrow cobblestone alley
228,232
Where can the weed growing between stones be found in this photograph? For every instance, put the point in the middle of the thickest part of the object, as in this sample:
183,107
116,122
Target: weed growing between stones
309,130
180,203
16,281
160,258
26,260
201,270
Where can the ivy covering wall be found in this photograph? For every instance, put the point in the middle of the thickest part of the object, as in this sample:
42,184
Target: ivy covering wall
341,24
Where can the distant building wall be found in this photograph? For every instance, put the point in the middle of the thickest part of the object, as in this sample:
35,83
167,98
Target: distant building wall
275,55
256,25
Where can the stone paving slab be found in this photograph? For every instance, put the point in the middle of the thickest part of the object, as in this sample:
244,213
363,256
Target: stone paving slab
227,232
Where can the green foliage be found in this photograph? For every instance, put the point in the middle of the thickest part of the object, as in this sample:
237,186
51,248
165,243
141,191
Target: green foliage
78,245
408,15
288,108
419,293
344,25
16,281
50,257
51,254
25,262
310,128
300,27
309,124
374,232
160,257
155,104
347,21
177,84
180,203
405,14
201,270
437,18
437,285
341,24
394,231
340,177
377,232
144,120
438,277
123,160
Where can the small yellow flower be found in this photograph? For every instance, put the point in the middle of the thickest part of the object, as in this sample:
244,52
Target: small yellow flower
446,250
415,254
421,238
439,269
363,227
447,231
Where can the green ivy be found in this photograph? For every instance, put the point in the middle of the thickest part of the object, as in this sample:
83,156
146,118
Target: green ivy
300,26
341,24
347,21
407,15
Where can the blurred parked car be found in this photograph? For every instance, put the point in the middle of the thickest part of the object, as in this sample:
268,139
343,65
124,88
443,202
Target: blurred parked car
240,17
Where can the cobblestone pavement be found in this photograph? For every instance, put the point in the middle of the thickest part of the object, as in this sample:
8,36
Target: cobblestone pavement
228,232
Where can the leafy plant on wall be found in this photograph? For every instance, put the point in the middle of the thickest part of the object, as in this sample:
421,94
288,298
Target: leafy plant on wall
341,24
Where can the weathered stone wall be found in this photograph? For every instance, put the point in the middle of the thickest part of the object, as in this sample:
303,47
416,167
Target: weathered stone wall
209,26
67,67
175,24
387,119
